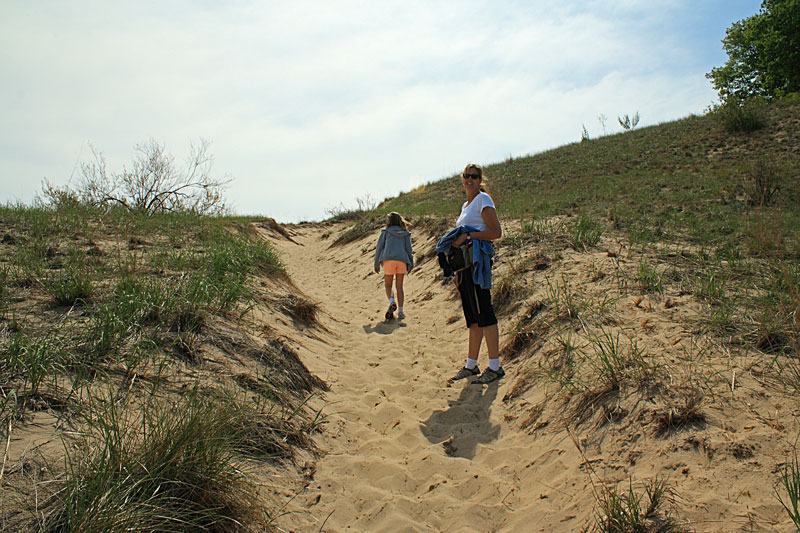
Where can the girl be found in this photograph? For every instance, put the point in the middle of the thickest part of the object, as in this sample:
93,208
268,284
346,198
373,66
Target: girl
394,253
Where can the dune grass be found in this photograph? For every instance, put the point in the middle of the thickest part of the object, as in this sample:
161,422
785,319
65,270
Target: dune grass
629,511
101,311
102,300
165,466
789,493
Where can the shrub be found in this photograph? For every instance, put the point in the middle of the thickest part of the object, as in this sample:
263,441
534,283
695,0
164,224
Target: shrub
153,184
742,116
762,182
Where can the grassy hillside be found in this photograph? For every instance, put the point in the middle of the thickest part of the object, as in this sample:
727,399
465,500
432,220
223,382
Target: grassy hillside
691,177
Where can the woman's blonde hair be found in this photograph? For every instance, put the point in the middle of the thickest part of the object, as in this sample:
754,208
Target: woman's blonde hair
395,219
479,170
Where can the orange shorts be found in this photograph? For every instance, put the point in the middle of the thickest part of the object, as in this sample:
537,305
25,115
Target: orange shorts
391,267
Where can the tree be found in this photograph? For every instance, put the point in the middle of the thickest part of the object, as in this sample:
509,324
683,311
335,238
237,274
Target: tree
763,53
153,184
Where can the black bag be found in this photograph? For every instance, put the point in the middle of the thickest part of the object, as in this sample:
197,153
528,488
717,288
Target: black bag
460,258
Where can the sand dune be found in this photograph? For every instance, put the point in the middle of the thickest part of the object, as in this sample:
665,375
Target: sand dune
403,450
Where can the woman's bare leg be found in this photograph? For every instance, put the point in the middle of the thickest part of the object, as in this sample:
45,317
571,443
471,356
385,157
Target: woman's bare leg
492,335
475,338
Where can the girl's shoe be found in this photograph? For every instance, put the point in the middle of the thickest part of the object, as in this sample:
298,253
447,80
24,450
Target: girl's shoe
390,312
401,315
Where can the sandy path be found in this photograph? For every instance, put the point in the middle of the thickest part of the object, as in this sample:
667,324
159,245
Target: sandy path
406,452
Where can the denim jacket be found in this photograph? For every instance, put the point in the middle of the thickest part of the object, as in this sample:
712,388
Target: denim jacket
481,261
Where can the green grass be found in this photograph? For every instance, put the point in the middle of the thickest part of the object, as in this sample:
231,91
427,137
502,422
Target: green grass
567,302
649,278
28,364
165,274
585,233
791,485
171,467
629,512
615,363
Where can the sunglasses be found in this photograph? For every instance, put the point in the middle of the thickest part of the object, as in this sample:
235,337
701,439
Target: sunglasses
472,176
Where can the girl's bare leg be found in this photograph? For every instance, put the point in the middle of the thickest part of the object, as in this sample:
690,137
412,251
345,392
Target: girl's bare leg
387,283
400,294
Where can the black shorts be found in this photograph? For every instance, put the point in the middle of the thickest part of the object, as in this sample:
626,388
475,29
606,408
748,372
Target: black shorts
475,300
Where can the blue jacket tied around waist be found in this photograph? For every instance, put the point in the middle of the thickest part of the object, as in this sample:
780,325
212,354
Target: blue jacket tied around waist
481,261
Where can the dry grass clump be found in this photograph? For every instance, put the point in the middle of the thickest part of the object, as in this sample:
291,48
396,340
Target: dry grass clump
363,227
684,411
300,309
435,226
509,288
527,332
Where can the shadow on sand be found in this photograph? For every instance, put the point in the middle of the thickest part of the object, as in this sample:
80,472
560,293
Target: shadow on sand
383,328
465,423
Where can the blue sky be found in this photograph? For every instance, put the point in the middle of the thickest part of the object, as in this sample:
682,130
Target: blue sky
311,105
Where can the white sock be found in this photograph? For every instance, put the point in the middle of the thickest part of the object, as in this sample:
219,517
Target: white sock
471,363
400,309
391,300
494,364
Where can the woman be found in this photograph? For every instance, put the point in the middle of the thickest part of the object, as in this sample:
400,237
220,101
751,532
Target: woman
478,222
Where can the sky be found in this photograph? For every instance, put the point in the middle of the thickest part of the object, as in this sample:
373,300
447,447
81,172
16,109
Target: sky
311,107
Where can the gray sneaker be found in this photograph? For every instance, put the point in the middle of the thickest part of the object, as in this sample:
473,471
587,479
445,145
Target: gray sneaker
466,373
489,376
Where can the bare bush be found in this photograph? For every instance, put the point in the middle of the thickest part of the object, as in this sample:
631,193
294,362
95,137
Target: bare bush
364,205
628,122
762,182
153,183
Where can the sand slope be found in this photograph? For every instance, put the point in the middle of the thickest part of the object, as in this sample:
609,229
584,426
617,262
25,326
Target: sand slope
405,451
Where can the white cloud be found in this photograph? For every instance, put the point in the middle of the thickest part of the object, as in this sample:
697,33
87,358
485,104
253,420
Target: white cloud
312,104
